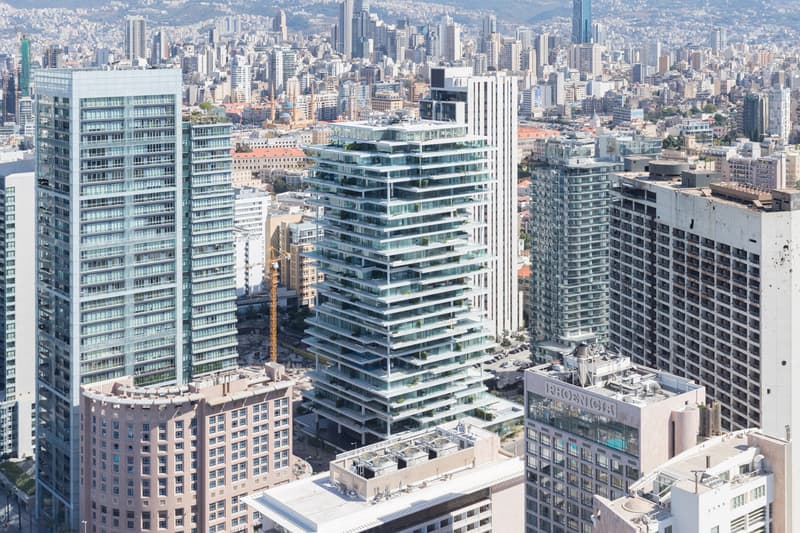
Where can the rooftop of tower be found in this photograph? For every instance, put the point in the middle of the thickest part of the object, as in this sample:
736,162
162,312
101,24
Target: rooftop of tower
592,368
729,193
217,388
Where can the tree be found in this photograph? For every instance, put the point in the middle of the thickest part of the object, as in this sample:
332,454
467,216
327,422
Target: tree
206,106
720,120
709,108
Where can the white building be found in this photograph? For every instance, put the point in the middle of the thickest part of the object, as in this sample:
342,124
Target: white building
250,217
241,81
454,477
488,106
704,280
17,308
779,120
735,483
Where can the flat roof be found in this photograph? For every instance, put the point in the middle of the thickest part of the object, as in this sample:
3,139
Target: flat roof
315,504
613,376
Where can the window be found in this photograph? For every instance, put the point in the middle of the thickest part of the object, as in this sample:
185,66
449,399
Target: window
738,501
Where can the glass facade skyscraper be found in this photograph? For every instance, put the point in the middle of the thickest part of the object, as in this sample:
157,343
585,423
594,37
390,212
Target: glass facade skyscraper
25,67
397,339
210,277
132,217
581,21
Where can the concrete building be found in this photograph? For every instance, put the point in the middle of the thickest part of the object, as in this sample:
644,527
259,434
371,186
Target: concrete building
135,43
251,208
764,172
594,424
124,231
569,232
487,105
586,59
451,478
396,324
183,458
701,280
17,308
732,483
387,102
298,271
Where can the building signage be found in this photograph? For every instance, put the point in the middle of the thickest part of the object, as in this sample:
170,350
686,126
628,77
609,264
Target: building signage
581,399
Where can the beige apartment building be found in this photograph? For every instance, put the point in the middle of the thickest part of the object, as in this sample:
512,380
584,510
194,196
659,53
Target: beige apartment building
181,458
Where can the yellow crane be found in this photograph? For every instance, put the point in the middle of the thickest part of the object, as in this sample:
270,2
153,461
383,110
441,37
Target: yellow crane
273,303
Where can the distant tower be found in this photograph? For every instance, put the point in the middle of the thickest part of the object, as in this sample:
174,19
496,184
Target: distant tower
754,116
159,48
488,27
344,33
241,79
581,21
279,25
134,37
25,66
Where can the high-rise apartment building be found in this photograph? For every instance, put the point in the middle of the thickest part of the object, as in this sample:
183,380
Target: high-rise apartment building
208,247
702,279
135,43
395,322
241,80
17,308
581,21
569,232
594,424
487,105
779,121
451,478
135,256
183,458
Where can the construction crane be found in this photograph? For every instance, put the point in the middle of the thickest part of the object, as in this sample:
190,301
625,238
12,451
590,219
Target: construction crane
273,303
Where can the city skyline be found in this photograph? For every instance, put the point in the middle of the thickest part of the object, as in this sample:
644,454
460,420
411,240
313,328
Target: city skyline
298,266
